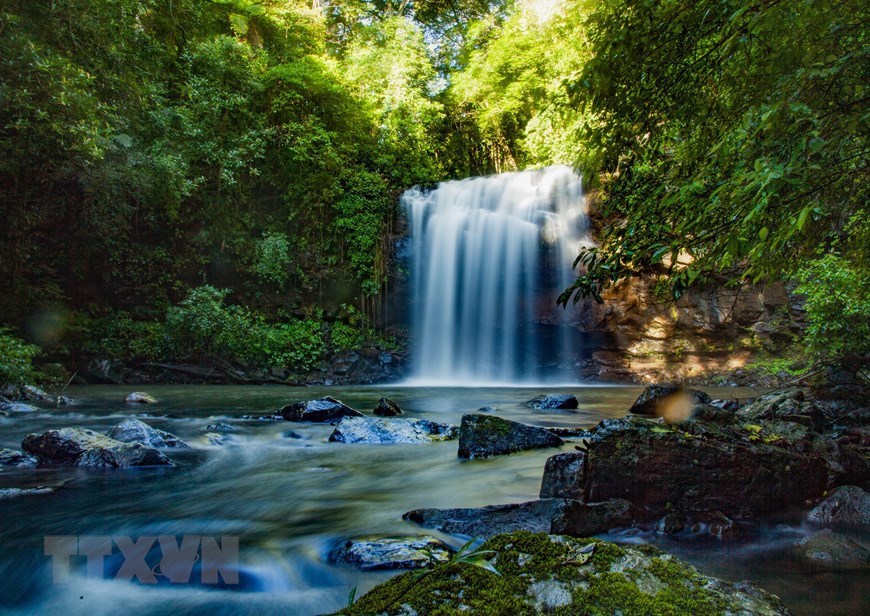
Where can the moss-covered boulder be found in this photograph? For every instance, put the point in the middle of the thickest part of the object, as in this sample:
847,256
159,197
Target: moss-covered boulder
540,573
695,467
482,436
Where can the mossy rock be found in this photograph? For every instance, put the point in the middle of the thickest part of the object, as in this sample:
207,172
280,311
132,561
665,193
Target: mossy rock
553,574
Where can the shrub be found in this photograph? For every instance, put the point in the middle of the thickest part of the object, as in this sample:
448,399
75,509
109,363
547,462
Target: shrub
16,360
838,311
119,336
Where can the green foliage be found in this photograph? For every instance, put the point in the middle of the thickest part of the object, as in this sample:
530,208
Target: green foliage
273,259
837,310
205,329
729,133
120,337
16,360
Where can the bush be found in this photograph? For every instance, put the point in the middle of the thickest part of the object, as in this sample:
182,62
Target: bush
16,360
297,345
206,329
119,336
838,311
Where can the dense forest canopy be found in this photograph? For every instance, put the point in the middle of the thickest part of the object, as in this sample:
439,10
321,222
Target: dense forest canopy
238,163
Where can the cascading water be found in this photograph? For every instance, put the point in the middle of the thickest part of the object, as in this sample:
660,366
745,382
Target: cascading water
490,255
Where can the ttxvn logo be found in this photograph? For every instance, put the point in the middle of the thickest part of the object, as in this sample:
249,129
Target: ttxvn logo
147,558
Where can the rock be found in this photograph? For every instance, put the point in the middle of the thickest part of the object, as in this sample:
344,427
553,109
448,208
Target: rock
321,410
481,436
214,438
551,515
716,414
846,505
14,457
14,492
489,409
725,405
392,553
671,524
552,401
140,397
388,431
790,405
32,392
693,468
135,431
562,476
568,432
831,550
292,434
220,427
662,400
67,401
7,406
83,447
387,408
539,573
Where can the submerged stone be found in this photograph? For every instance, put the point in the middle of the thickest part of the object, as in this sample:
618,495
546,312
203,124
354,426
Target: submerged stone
83,447
540,573
14,457
135,431
552,515
320,410
481,436
392,553
140,397
387,408
389,431
832,550
552,401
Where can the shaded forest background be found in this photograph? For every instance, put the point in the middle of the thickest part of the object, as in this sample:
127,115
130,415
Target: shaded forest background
217,181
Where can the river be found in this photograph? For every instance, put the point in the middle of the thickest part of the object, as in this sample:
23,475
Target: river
291,500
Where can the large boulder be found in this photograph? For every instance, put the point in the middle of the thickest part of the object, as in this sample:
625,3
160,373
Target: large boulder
563,476
83,447
135,431
828,549
658,400
320,410
481,436
845,506
552,401
387,408
791,405
392,553
389,431
551,515
694,468
543,574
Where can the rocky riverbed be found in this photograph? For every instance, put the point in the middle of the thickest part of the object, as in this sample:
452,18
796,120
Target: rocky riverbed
727,486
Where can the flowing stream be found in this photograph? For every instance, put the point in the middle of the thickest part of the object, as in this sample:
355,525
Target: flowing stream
490,256
290,500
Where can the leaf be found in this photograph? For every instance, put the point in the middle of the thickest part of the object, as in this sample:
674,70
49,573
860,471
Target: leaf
802,218
483,564
762,233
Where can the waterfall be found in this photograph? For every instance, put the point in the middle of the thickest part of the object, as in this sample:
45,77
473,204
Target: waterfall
490,256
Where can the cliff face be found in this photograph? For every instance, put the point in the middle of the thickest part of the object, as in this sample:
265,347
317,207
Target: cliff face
644,337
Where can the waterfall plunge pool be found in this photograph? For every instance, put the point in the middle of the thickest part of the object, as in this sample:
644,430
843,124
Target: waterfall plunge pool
290,500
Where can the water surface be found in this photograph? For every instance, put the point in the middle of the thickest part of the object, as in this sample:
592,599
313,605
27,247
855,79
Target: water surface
291,500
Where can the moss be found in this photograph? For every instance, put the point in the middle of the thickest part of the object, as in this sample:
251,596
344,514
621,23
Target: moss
630,580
